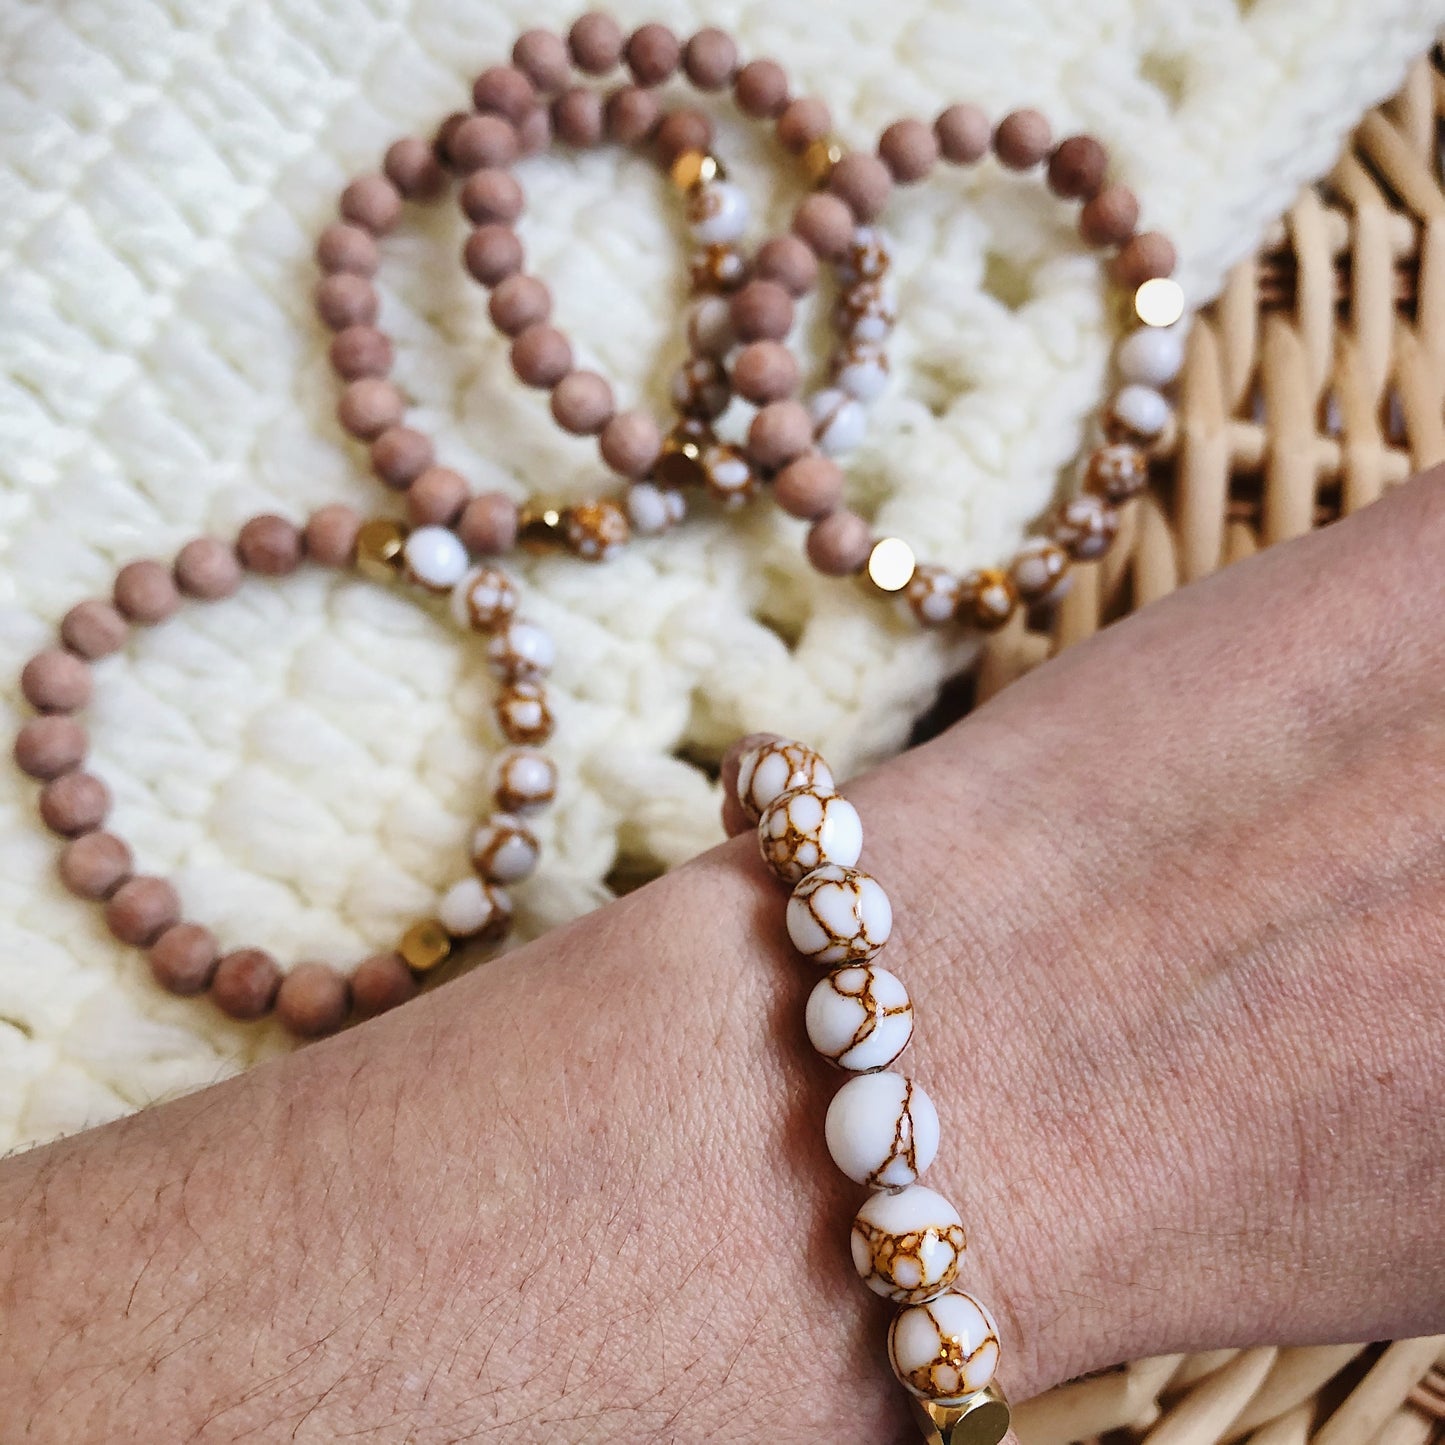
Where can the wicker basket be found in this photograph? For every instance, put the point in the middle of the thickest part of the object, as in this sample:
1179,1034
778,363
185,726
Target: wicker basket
1314,382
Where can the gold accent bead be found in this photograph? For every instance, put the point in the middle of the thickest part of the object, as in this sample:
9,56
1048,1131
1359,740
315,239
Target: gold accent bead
1159,302
542,527
379,546
982,1419
694,169
680,464
425,945
820,158
891,564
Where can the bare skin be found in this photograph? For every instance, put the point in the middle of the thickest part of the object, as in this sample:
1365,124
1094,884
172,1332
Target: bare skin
1171,910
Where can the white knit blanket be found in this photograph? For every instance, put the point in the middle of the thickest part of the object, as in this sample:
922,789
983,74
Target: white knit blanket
306,759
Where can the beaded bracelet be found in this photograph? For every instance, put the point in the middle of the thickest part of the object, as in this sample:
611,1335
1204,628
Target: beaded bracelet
907,1241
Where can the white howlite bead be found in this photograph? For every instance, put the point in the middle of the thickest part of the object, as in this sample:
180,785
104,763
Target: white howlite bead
717,213
945,1350
806,828
474,909
435,557
1142,409
485,599
860,1018
839,915
861,370
1151,356
882,1130
521,651
772,769
839,422
710,326
907,1246
654,510
504,849
526,780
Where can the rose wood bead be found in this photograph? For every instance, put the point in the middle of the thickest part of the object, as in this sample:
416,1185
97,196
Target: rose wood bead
582,403
360,351
802,122
519,302
839,544
1076,168
74,803
681,131
183,959
51,745
631,443
492,195
595,41
345,300
504,90
810,487
909,149
710,58
1023,139
826,223
56,681
1109,218
95,865
313,1000
543,57
372,203
270,546
483,140
789,261
245,983
632,114
488,524
541,356
534,132
761,311
761,88
446,131
345,248
864,182
400,455
368,406
141,909
765,371
493,252
780,432
382,982
963,134
208,569
436,497
331,535
578,118
1144,257
93,629
413,169
145,592
653,53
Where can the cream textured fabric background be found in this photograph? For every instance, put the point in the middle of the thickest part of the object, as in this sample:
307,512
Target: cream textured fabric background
306,759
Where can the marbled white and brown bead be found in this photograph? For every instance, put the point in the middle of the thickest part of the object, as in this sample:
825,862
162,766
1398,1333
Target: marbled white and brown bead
523,713
728,475
653,510
933,594
806,828
475,910
596,530
526,780
485,599
1117,471
521,651
945,1350
860,1018
777,767
1038,569
700,388
989,598
1085,526
866,258
839,915
867,311
882,1130
908,1246
717,213
504,849
860,368
710,327
717,270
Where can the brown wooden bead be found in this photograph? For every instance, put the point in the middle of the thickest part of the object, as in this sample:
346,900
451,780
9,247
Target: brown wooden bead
183,959
483,140
74,803
761,88
492,196
810,487
1023,139
789,261
95,865
436,497
400,455
826,223
48,746
909,149
631,443
331,535
710,58
368,406
313,1000
141,909
542,57
534,131
963,134
864,182
493,252
345,248
839,544
1144,257
270,546
489,524
145,592
1077,167
412,167
652,53
1109,218
761,311
802,122
595,41
577,117
93,629
519,302
360,351
208,569
780,432
504,90
582,403
632,114
56,681
541,356
380,983
446,132
681,131
372,203
765,371
245,983
346,300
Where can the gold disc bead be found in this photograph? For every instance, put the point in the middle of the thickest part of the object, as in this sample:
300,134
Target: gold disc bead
380,549
542,527
982,1419
425,946
1159,301
820,159
891,564
694,169
680,463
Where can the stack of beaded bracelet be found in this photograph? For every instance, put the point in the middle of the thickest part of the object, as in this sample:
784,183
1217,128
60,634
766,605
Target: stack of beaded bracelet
881,1129
247,983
